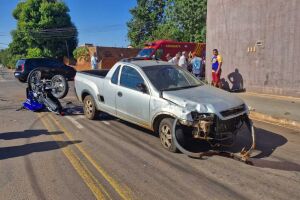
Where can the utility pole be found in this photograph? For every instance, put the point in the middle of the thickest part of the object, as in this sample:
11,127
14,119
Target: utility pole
67,49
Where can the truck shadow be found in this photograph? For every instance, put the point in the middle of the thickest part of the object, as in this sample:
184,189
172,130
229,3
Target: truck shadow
266,143
25,149
74,110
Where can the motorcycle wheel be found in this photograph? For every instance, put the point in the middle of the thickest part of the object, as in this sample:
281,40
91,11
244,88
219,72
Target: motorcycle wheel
60,86
33,78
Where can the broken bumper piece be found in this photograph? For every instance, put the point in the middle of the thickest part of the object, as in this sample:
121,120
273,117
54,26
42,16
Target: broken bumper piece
203,130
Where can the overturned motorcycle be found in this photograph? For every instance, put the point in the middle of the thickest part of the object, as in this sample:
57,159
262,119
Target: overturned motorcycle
211,130
39,97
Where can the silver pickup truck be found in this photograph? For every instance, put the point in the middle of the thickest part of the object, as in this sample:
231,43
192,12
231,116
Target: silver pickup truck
152,94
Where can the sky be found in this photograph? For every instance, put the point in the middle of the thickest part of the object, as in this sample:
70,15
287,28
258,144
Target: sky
100,22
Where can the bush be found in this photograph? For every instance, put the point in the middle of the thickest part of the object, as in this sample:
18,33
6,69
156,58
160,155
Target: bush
13,60
4,57
81,53
9,60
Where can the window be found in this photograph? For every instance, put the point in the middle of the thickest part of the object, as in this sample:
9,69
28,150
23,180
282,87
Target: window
130,78
159,53
169,77
145,53
115,77
52,63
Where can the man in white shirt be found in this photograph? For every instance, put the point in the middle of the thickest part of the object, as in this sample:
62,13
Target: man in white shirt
183,60
94,61
175,59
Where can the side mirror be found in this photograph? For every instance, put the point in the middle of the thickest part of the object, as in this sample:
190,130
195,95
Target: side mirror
142,87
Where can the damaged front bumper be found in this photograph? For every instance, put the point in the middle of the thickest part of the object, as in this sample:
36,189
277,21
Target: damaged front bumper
216,132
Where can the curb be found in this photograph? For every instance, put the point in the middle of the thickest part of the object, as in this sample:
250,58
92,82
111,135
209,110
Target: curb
277,120
271,96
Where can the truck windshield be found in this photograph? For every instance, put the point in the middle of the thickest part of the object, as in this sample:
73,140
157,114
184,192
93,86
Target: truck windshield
168,77
146,53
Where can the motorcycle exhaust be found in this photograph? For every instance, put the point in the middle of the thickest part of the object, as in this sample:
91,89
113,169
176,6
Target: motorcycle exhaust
52,105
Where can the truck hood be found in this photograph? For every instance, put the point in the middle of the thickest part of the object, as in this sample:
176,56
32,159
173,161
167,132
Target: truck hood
203,99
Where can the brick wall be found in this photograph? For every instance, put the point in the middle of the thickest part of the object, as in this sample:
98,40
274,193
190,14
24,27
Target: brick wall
107,56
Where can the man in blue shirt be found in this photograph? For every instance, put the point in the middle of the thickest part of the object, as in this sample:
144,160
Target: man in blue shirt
217,62
196,65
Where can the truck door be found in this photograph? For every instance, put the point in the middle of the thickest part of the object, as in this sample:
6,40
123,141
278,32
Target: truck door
132,103
109,92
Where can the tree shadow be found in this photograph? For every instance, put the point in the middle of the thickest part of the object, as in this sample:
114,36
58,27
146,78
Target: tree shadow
22,150
26,134
237,81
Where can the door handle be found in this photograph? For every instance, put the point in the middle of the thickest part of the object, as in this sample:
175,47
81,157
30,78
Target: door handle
120,94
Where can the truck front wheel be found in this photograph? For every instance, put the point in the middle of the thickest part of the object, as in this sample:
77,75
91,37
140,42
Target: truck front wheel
90,110
165,134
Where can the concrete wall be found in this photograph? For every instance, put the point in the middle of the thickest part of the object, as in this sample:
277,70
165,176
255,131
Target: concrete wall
235,26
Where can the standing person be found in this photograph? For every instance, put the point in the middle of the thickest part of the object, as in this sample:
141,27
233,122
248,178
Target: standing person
169,57
189,63
183,60
94,61
196,65
175,59
216,68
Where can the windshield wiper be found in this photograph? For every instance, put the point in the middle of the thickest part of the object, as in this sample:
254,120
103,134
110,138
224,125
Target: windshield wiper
180,88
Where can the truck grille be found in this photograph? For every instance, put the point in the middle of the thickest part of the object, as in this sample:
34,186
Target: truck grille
229,125
234,111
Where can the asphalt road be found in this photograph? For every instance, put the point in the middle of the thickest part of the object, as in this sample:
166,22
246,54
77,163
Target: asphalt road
44,156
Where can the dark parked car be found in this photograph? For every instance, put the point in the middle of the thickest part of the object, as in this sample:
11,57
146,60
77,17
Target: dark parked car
29,70
50,66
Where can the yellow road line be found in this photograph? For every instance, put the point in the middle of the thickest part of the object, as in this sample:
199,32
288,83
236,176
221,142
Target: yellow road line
125,193
96,188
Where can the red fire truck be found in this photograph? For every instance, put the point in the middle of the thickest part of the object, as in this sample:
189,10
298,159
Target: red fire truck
160,48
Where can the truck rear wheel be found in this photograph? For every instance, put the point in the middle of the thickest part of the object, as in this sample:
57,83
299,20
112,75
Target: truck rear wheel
90,110
165,135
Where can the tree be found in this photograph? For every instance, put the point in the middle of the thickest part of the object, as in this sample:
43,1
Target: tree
34,53
4,57
146,17
181,20
190,18
44,28
81,53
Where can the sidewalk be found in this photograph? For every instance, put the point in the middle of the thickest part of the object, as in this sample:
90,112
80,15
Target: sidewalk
275,109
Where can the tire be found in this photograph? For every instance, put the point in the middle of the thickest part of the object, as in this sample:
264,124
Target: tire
165,135
89,108
33,78
60,85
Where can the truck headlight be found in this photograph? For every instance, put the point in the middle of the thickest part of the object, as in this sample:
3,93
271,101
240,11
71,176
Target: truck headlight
202,116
